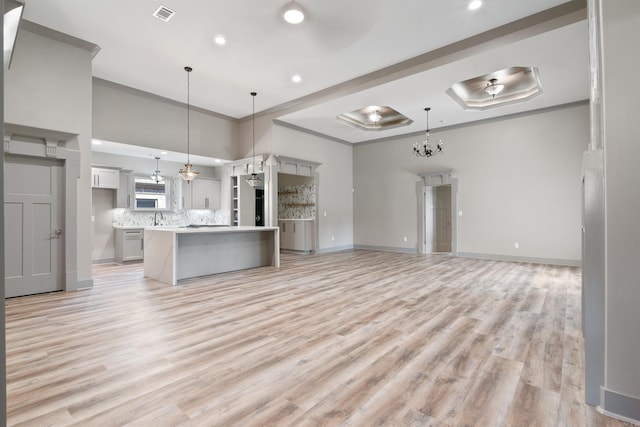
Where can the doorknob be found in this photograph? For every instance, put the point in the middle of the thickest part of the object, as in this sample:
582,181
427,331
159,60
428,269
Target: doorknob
57,233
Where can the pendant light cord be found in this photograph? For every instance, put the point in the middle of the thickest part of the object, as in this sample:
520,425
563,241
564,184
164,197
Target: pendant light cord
188,115
253,131
427,110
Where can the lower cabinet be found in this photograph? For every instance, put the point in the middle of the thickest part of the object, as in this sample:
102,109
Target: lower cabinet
296,235
129,244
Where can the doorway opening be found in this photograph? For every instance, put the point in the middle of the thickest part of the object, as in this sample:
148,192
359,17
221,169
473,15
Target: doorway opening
437,213
259,207
438,219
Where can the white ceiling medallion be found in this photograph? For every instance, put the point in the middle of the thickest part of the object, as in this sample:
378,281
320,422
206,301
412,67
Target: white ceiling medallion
509,86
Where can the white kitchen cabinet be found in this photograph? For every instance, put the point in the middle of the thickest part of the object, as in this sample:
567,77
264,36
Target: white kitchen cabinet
124,193
129,244
186,194
296,235
201,194
105,178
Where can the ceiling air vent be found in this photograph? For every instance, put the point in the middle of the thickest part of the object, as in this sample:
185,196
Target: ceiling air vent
163,13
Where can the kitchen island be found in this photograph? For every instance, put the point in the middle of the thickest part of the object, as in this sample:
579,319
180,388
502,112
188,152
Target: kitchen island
175,253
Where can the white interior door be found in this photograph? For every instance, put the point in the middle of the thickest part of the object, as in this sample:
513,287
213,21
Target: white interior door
430,219
443,218
33,191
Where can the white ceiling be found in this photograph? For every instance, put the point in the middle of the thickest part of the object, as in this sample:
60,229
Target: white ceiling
346,51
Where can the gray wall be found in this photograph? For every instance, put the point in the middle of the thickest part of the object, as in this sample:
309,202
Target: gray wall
518,181
146,166
48,92
3,350
334,185
102,232
621,26
134,117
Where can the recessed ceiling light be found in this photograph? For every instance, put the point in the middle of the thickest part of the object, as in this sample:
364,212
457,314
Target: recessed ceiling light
475,4
293,13
218,161
220,40
164,153
296,78
96,142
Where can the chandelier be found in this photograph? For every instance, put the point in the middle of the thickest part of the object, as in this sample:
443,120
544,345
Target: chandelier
425,149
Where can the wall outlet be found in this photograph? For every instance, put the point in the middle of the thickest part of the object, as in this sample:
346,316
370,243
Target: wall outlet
325,213
333,237
405,238
459,213
516,245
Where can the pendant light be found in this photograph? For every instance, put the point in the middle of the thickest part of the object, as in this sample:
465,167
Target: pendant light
188,174
156,174
254,180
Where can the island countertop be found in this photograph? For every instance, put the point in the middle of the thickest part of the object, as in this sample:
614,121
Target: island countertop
208,229
175,253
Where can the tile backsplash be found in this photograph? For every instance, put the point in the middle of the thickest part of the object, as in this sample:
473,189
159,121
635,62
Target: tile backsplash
297,202
180,218
128,218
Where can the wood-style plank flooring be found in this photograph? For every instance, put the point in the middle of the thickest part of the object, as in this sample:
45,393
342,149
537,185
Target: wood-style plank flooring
356,338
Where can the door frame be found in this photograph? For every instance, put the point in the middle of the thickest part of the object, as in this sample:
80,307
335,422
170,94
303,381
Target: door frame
436,179
42,143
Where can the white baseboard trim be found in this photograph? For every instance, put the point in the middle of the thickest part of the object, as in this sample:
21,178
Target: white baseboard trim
386,249
83,284
103,261
620,406
335,249
532,260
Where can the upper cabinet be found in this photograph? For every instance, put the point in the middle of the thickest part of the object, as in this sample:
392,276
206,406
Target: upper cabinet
105,178
125,190
202,193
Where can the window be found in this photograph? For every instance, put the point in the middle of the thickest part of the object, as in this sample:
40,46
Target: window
151,195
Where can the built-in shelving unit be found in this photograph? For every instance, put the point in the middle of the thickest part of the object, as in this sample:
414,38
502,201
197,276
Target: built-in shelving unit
234,200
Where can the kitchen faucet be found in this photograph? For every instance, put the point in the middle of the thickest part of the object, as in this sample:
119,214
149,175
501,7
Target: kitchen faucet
155,217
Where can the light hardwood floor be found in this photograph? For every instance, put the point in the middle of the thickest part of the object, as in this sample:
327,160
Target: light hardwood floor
357,338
